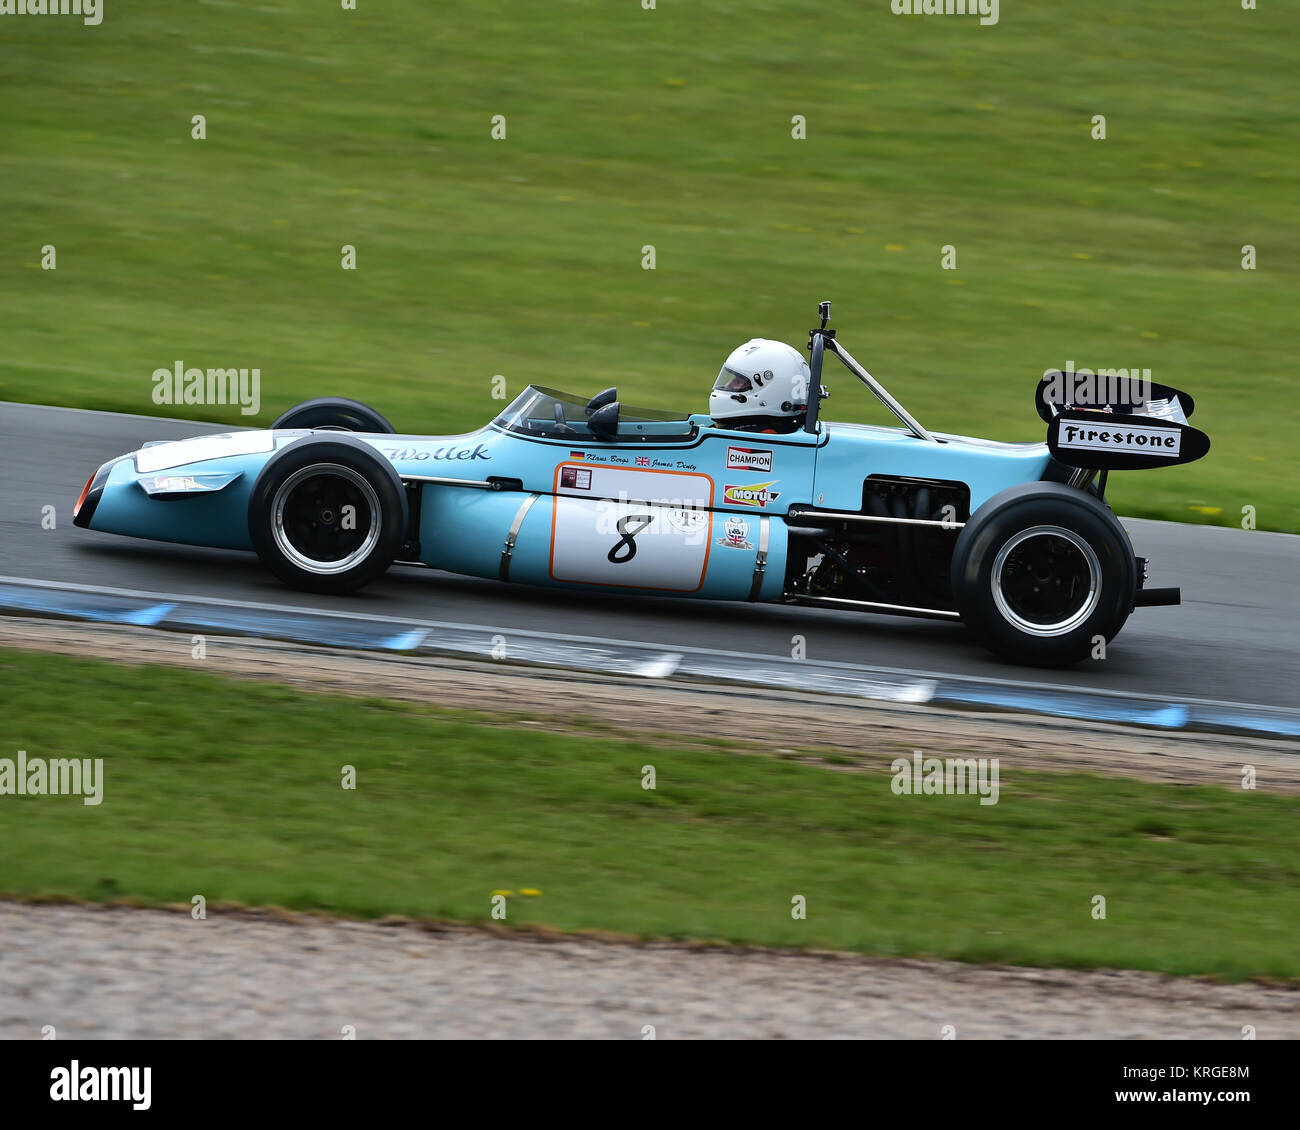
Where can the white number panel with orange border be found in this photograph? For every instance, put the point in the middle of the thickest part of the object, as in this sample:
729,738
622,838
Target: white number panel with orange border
632,528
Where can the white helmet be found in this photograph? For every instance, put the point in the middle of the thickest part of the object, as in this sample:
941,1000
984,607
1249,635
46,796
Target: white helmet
762,380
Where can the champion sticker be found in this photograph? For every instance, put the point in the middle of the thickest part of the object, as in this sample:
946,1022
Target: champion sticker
748,459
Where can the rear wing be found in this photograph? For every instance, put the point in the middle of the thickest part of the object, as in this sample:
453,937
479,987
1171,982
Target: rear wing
1103,424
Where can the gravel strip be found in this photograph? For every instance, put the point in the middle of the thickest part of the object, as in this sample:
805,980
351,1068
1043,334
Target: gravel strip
120,973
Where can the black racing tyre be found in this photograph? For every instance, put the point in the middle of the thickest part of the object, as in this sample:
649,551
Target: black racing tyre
327,514
1040,571
337,413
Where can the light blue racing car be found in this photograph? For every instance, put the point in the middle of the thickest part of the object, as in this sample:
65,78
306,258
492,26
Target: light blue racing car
1013,539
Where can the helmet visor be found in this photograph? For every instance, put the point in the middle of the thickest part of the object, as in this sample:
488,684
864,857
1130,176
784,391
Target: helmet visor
731,381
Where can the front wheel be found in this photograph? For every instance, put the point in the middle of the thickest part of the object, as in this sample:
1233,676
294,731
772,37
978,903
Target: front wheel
335,414
327,514
1042,573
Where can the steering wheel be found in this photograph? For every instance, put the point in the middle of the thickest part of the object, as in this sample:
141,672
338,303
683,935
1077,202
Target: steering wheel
561,425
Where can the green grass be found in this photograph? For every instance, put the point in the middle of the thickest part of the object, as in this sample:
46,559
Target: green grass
232,791
672,127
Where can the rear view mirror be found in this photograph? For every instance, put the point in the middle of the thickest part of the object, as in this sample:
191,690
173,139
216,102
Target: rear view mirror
600,400
604,421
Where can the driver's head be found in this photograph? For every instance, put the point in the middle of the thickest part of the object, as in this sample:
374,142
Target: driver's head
762,384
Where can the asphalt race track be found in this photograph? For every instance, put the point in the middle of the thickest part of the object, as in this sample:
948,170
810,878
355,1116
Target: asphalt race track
1233,638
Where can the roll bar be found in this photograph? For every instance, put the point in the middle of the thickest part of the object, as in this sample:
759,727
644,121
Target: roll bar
822,339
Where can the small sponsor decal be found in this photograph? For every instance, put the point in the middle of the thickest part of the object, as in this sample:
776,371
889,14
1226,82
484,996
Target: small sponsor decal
736,534
1169,410
748,459
165,483
751,494
1131,440
575,478
687,520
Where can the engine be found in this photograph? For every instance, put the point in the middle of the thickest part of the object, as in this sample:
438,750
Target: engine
890,562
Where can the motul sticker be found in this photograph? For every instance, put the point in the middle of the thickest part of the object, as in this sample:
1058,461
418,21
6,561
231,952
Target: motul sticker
1129,440
751,494
748,459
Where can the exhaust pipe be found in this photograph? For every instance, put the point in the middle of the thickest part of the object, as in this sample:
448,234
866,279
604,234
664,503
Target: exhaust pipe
1145,598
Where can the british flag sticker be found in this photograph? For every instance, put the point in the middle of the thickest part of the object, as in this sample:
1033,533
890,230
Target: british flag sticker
643,461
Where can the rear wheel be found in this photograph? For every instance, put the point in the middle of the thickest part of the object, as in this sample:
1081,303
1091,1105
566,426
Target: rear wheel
334,413
1041,572
327,514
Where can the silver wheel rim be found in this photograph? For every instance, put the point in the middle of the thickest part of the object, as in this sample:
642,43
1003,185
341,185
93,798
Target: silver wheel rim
1075,586
289,505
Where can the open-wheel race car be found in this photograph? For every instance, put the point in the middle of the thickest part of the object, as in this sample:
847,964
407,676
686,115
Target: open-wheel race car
1013,539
